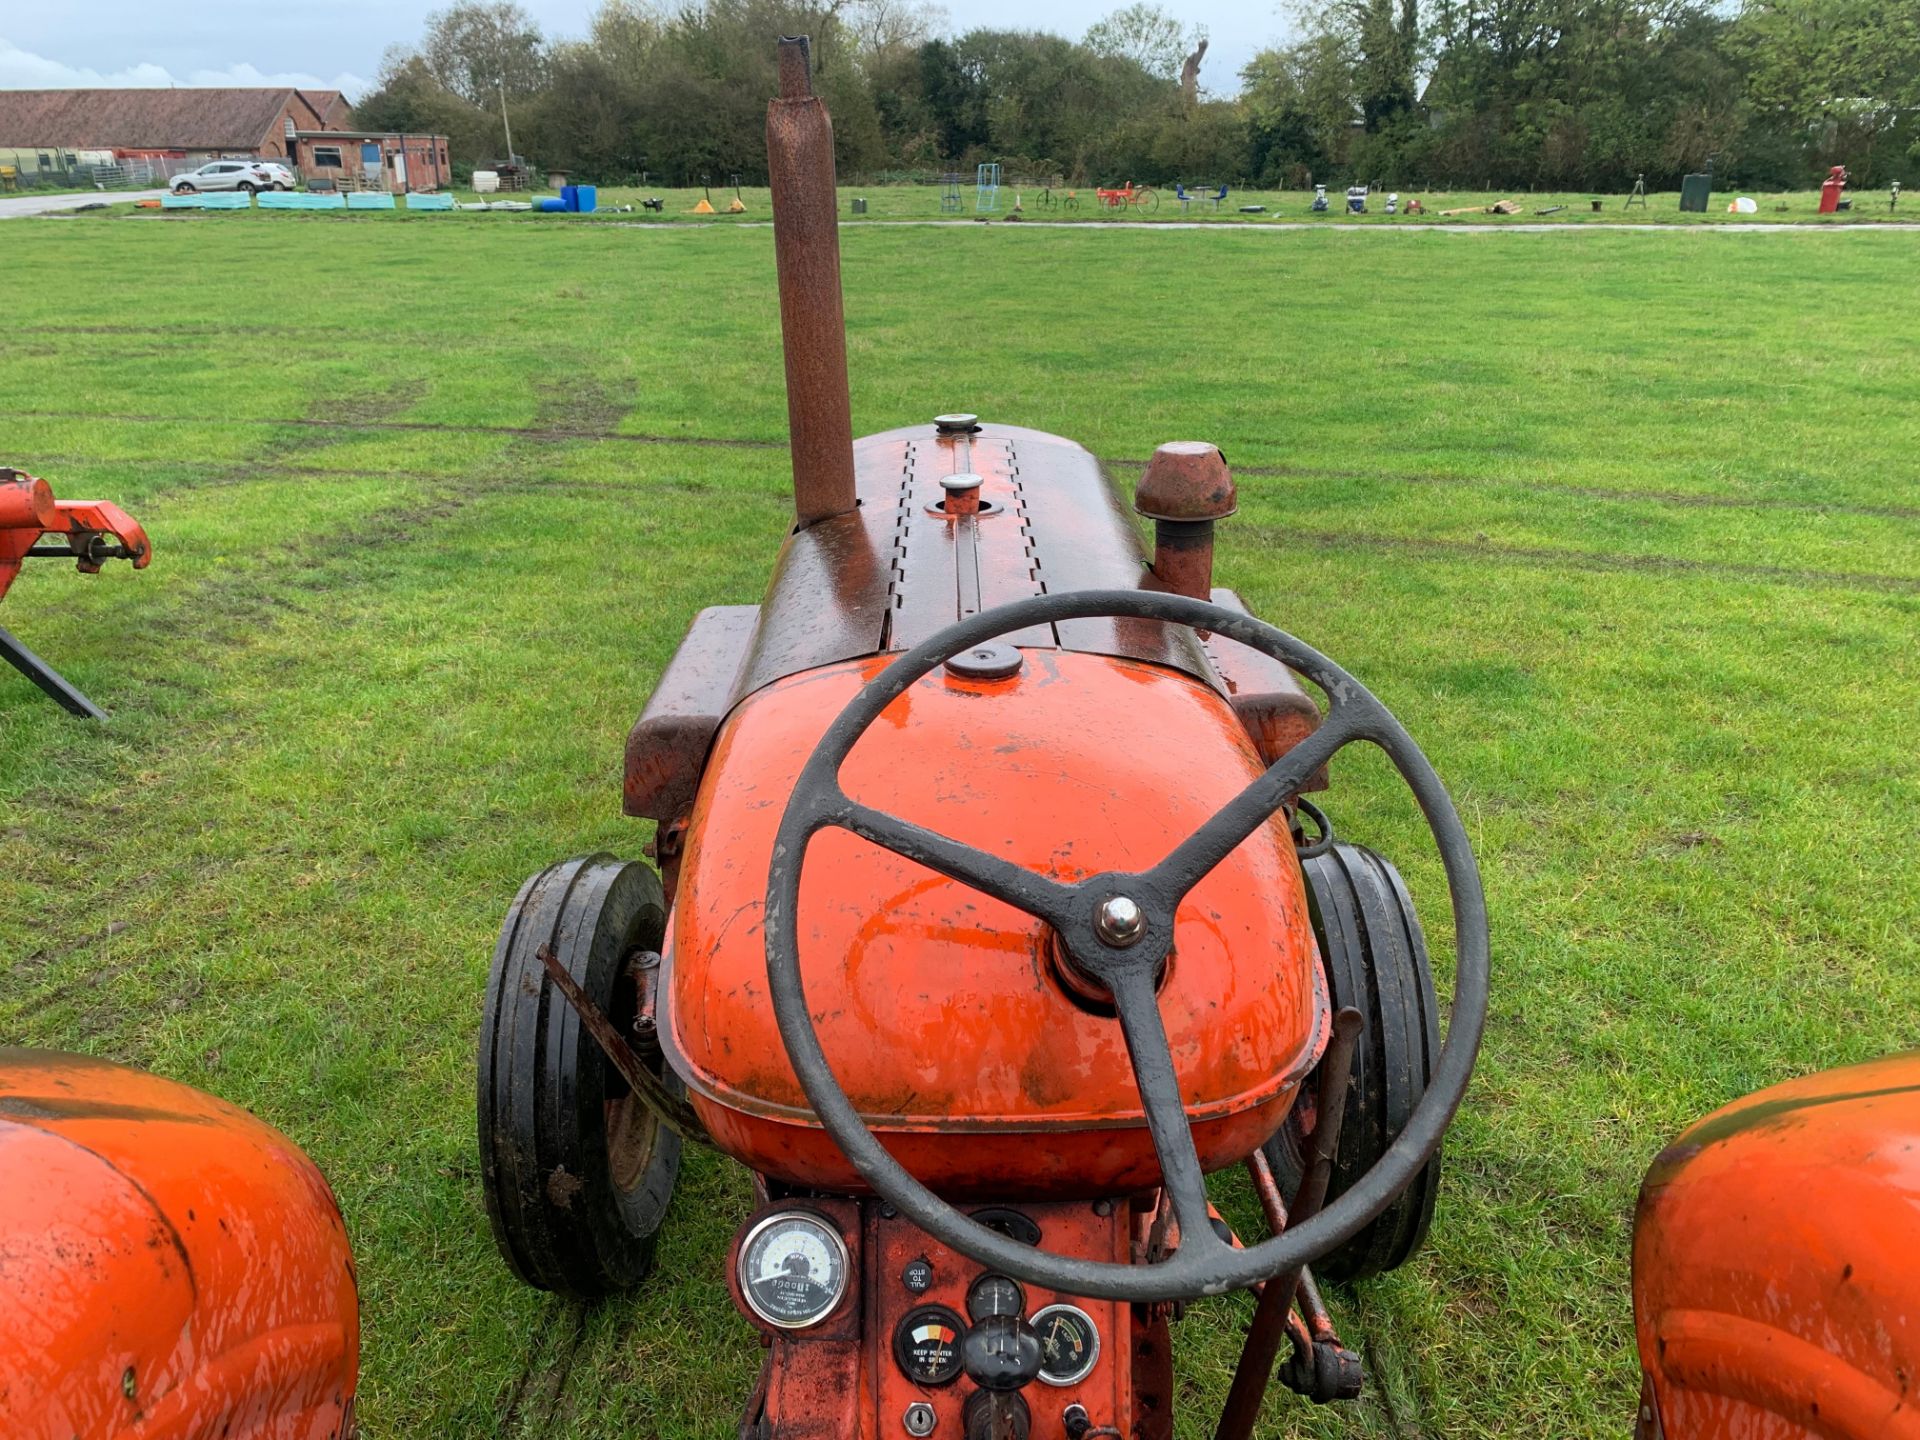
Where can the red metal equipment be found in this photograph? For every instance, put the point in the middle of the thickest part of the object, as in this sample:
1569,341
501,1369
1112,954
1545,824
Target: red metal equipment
1832,188
1129,197
170,1267
91,532
1774,1265
991,924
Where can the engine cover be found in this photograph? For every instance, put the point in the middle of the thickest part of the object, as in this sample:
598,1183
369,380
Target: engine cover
942,1010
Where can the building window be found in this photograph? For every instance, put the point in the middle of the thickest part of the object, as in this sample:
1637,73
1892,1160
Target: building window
328,155
443,154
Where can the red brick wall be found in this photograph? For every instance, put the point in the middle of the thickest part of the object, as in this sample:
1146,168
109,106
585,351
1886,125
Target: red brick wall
427,157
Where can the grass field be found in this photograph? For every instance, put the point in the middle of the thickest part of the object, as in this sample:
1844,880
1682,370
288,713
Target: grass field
1628,532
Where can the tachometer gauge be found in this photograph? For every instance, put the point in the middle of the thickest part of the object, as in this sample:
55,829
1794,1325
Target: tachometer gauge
926,1344
1069,1344
994,1295
793,1269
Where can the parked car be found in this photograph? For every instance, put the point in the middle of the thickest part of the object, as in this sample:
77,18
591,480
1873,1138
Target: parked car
248,175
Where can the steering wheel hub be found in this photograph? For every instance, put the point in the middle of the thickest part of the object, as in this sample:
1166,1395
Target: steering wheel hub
1120,922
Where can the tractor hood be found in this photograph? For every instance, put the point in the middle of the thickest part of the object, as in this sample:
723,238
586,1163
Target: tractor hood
942,1010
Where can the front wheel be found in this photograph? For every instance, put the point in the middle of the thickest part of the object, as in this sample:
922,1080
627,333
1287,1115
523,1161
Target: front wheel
1147,200
1375,959
576,1169
186,190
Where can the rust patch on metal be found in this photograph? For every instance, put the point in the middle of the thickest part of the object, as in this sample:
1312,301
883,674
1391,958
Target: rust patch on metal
806,243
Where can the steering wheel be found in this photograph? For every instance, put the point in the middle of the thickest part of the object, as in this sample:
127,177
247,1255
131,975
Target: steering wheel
1117,928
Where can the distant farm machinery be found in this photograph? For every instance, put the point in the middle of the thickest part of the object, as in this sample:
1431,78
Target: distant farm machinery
35,526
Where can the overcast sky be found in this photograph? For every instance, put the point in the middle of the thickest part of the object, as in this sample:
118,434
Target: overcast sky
338,43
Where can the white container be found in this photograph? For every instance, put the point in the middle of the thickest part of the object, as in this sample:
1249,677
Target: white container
485,182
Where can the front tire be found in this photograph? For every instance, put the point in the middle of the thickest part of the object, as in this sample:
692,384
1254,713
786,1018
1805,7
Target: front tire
1375,959
186,190
577,1170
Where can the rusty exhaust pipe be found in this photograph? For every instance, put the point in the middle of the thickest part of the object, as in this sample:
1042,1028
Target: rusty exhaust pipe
806,247
1187,488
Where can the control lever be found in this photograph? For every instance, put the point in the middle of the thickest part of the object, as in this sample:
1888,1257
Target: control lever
997,1415
1001,1353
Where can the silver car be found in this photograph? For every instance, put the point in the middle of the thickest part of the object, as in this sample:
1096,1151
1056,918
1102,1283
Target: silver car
248,175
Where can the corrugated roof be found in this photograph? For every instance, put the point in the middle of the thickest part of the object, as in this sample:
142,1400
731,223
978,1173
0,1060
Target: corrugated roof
187,119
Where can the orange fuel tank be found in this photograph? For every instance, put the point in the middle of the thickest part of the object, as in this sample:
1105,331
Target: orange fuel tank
1776,1278
170,1267
943,1009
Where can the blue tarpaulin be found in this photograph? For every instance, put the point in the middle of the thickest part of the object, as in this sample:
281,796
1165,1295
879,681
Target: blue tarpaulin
301,200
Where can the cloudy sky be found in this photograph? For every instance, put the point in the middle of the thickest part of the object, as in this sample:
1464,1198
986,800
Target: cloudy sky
338,44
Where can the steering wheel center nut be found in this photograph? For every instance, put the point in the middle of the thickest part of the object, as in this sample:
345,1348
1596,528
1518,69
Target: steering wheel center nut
1120,922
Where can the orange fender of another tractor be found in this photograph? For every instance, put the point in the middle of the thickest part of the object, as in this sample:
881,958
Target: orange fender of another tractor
943,1010
1776,1265
170,1267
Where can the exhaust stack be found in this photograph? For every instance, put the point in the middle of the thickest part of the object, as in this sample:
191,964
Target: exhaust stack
806,246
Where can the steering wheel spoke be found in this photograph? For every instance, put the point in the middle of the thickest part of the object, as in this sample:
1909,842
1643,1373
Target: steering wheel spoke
1044,899
1138,1006
1192,859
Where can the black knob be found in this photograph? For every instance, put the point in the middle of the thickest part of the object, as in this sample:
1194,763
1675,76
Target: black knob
1002,1352
997,1415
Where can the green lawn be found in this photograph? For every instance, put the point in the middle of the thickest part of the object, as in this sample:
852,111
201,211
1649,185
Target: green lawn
1628,532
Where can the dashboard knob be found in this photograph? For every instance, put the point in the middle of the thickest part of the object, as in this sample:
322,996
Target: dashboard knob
1001,1353
997,1415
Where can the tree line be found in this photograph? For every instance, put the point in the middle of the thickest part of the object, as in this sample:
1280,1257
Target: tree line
1546,94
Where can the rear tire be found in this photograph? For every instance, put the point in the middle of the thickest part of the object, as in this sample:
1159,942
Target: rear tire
1375,959
246,187
576,1170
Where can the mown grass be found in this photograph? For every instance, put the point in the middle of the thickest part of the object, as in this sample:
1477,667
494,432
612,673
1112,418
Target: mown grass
1625,530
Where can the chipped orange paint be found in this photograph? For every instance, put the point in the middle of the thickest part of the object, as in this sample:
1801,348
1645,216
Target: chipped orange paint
1776,1265
941,1006
172,1267
28,511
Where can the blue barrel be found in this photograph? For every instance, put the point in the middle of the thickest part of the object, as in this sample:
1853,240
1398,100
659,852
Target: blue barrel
589,198
570,197
549,205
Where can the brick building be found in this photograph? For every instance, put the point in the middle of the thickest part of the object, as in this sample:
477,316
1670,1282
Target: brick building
371,160
190,125
48,131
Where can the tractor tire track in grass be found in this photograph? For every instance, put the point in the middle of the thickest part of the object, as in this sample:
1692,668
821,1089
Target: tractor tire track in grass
533,1399
1544,555
566,434
223,612
211,475
538,432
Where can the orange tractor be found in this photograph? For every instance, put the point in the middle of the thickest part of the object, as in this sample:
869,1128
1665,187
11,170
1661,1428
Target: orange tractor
992,916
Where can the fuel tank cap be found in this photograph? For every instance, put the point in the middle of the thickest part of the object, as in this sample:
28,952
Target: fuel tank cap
991,661
958,423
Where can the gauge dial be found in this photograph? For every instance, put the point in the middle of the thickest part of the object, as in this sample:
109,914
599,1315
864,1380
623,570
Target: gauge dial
1069,1344
994,1295
926,1344
793,1269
